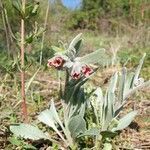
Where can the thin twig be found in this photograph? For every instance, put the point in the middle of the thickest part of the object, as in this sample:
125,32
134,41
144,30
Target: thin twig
24,105
43,36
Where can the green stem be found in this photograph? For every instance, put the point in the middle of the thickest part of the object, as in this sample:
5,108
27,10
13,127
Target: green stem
22,48
43,36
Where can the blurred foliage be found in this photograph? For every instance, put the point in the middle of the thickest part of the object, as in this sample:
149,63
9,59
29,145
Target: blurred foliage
105,12
12,13
102,17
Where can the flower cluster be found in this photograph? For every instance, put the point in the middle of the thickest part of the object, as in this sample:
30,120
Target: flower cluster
78,70
56,62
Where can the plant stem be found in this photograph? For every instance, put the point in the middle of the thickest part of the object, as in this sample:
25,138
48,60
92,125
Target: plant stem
43,36
24,105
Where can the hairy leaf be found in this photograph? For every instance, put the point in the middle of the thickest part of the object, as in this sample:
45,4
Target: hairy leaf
55,114
125,121
109,102
77,125
98,56
27,131
137,72
74,47
47,118
74,43
122,82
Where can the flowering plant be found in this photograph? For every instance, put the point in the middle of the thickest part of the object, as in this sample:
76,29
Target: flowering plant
78,69
72,95
76,101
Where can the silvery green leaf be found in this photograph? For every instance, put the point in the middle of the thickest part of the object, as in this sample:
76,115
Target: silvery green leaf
74,47
90,132
122,82
108,112
99,94
78,46
98,56
47,118
113,83
71,53
55,114
129,82
137,72
125,121
75,43
27,131
57,119
97,103
76,125
70,110
82,109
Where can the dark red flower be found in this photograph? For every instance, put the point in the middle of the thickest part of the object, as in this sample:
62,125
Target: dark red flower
76,75
56,62
87,71
76,71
